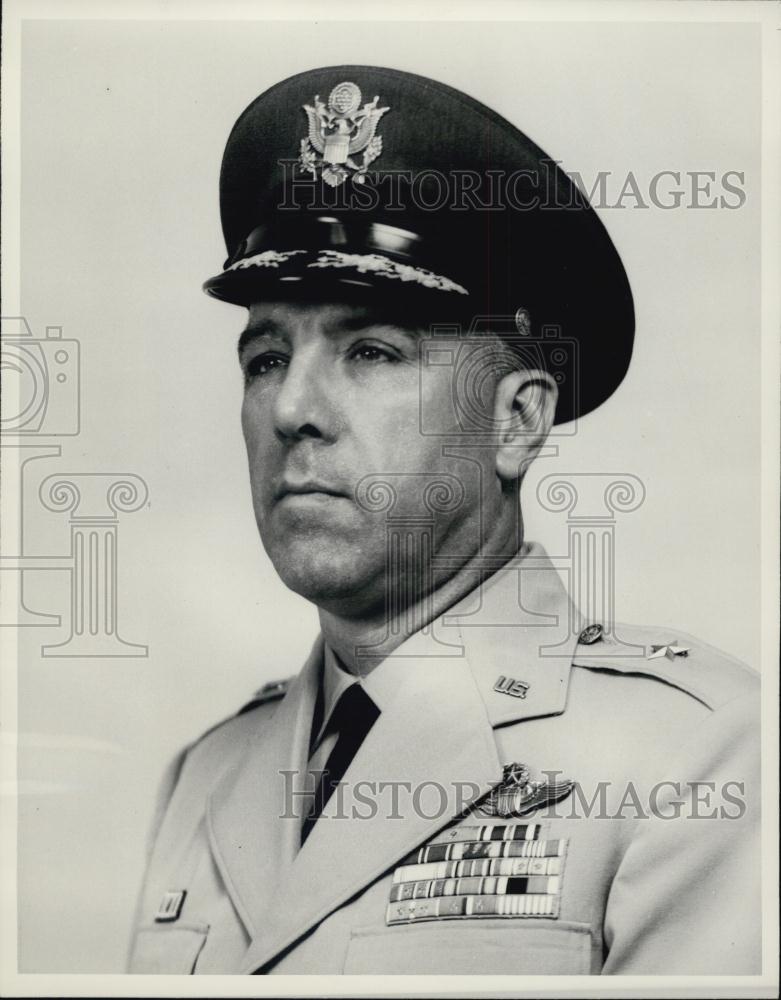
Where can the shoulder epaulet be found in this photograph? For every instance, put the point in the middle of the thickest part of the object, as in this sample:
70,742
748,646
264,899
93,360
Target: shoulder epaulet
669,655
272,691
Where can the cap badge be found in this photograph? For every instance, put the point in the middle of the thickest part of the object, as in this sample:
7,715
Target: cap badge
338,131
517,795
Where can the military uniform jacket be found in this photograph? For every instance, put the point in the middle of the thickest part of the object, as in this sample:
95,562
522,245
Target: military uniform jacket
650,865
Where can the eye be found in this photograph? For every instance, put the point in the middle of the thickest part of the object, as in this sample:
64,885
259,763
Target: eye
264,364
372,353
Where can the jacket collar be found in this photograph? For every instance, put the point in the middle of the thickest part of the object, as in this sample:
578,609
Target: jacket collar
520,625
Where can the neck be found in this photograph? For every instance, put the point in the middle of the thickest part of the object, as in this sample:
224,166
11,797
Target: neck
362,642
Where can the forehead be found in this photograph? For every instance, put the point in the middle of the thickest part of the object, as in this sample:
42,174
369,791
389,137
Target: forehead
320,316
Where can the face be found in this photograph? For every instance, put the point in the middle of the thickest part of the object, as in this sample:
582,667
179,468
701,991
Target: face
332,419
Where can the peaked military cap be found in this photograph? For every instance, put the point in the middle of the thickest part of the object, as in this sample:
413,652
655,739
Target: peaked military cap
361,182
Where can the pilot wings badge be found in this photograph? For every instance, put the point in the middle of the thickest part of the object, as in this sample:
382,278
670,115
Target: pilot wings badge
517,795
338,131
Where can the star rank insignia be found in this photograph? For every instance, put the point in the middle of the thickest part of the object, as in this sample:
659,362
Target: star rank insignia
338,131
518,795
670,649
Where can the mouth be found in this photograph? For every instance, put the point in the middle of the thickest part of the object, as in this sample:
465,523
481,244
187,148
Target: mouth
308,490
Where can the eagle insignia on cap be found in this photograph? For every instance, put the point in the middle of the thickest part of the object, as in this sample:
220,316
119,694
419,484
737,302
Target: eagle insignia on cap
338,131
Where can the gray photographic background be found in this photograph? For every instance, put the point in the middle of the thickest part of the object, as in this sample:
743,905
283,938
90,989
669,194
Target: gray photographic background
123,128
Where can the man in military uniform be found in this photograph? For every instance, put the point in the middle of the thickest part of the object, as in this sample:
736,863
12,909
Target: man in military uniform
465,776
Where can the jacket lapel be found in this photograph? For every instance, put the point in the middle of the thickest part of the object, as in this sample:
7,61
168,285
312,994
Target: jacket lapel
253,844
433,733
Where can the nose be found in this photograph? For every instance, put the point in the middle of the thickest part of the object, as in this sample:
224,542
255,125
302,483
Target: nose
304,406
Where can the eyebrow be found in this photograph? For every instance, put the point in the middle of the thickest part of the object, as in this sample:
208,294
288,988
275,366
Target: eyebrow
264,328
344,324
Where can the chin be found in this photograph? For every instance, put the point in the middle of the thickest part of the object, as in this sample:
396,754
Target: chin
327,573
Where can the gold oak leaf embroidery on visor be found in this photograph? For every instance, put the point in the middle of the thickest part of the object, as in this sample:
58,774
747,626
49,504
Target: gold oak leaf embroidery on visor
268,258
368,263
375,263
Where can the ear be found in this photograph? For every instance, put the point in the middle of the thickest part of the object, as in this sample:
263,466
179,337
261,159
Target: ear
524,408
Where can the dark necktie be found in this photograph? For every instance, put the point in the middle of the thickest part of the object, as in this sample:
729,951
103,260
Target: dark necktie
352,718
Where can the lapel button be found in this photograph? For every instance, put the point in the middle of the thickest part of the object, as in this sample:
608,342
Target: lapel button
591,634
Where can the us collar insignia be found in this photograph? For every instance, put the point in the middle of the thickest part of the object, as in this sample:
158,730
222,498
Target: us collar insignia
337,132
517,795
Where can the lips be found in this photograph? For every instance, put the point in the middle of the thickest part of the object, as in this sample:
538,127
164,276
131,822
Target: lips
308,487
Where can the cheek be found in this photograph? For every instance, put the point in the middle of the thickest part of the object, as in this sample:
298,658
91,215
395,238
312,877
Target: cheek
260,443
411,422
418,472
419,429
256,425
247,422
437,413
